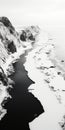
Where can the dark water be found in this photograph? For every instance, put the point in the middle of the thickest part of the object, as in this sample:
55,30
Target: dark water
23,107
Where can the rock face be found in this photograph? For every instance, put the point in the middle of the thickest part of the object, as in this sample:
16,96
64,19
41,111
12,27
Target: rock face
3,77
11,43
7,24
29,34
8,45
8,39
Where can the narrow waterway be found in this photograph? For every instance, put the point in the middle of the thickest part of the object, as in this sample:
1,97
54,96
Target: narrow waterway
23,107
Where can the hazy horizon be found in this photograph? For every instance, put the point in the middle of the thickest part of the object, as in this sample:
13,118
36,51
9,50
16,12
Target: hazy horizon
49,14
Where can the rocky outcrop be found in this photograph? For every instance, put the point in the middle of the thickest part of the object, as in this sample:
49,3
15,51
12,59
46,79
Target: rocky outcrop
3,77
12,45
9,43
29,34
7,24
8,39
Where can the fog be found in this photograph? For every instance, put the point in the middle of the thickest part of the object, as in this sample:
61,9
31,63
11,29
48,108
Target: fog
49,14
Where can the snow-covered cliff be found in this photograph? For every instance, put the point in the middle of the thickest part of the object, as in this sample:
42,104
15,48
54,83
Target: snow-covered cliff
43,68
12,46
8,45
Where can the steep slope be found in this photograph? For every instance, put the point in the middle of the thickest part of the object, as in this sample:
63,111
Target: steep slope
11,47
8,45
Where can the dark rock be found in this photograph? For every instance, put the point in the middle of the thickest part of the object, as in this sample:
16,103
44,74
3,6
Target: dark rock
11,47
7,23
3,77
62,60
52,66
1,37
58,73
27,35
23,36
31,38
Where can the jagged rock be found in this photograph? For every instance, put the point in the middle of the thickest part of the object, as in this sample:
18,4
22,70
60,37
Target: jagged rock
11,47
3,77
6,37
23,36
3,54
9,40
29,34
7,23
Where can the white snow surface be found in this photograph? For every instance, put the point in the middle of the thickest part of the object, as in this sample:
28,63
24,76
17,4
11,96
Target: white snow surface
49,87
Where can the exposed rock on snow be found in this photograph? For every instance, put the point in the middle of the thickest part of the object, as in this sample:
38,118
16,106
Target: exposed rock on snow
8,36
8,45
11,47
7,23
3,77
43,68
29,33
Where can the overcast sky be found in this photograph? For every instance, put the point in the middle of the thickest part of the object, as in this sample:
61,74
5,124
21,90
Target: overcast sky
50,14
33,10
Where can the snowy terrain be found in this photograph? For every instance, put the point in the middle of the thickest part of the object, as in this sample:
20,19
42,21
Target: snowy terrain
44,69
49,88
